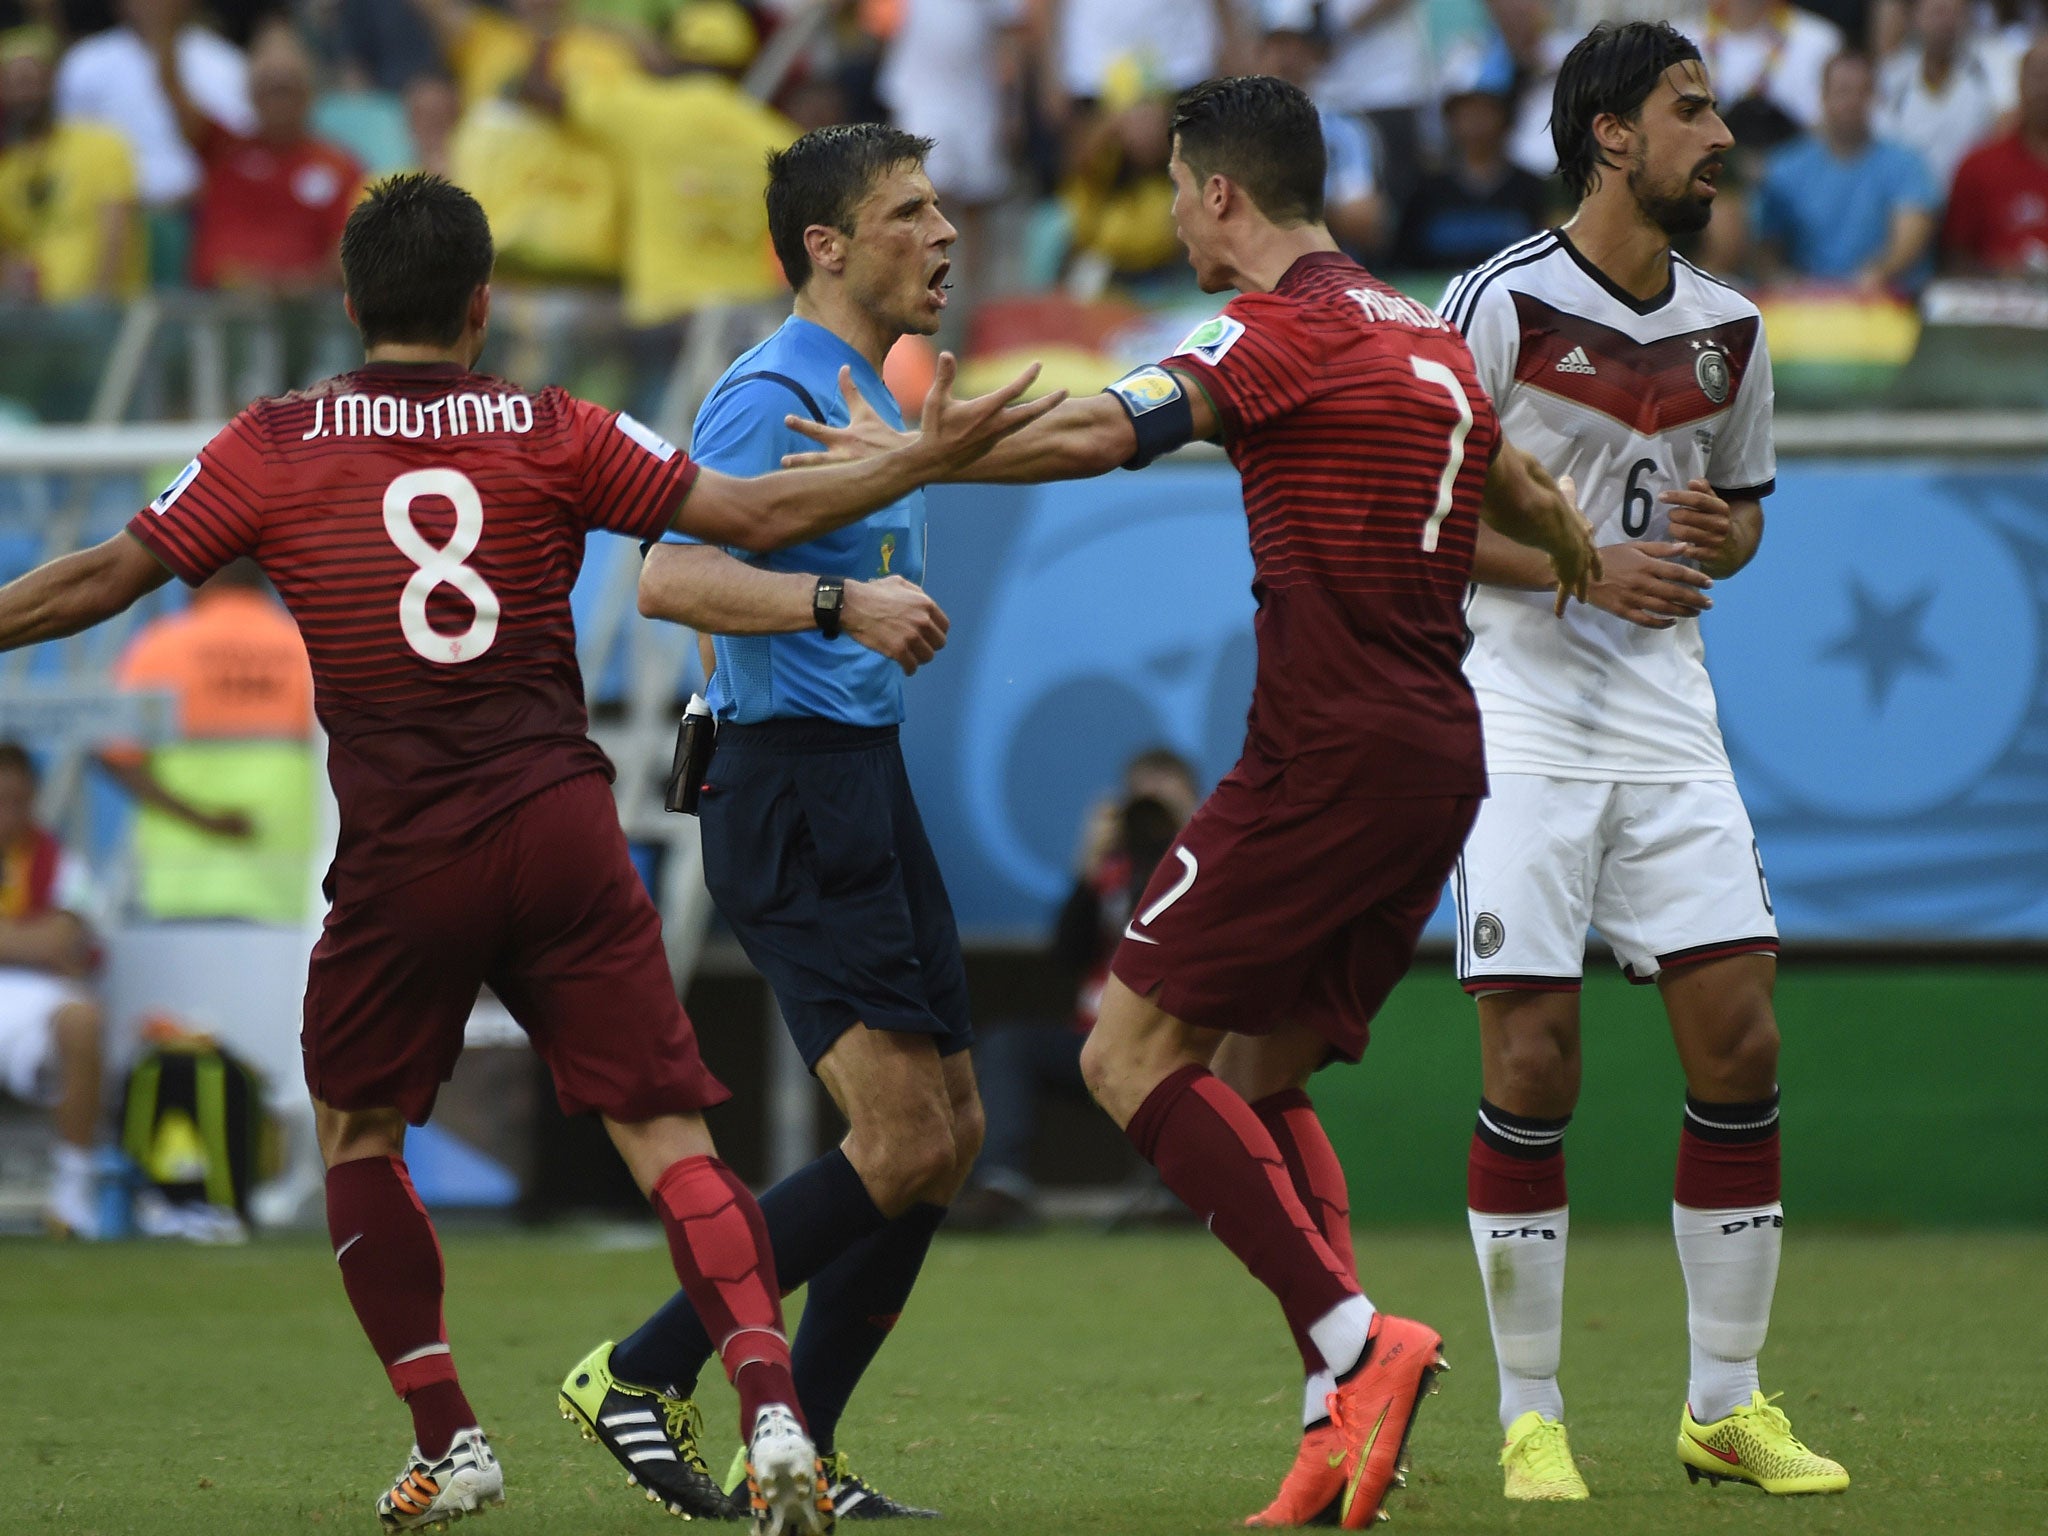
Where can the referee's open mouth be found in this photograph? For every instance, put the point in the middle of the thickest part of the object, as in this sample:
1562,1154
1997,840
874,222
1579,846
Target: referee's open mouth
935,286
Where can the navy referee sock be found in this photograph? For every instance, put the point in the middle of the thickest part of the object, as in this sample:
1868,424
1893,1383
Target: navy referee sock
853,1303
813,1216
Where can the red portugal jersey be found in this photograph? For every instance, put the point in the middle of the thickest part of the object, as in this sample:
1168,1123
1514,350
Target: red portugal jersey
1363,436
424,526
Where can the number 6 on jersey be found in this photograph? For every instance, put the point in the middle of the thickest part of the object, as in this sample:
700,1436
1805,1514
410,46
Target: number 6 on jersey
441,567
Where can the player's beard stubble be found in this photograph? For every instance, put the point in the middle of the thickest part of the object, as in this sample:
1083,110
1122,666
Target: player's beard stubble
1677,210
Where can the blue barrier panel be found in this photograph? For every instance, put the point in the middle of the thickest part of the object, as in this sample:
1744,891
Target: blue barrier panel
1879,668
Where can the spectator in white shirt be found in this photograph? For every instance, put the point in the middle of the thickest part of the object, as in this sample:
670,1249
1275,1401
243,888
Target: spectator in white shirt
1520,63
111,78
1944,92
950,75
1380,69
1176,42
1765,58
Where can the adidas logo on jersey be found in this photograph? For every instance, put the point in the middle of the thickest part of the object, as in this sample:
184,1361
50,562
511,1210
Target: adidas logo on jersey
1576,361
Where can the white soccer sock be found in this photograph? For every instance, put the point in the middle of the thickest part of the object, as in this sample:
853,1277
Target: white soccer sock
1730,1259
1315,1398
71,1174
1339,1334
1521,1261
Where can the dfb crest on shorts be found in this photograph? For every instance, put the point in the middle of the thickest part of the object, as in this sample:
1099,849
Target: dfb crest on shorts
1487,935
1711,369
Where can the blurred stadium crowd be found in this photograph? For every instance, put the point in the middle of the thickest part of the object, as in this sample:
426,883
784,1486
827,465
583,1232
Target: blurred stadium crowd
151,146
173,182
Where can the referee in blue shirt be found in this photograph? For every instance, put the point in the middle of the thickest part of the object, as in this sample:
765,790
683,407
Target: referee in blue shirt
813,848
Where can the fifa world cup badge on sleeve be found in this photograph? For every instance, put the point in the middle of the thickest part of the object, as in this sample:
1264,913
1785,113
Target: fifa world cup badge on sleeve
1212,338
175,489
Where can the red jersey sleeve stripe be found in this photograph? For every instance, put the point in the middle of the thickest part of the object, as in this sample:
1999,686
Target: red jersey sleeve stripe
150,534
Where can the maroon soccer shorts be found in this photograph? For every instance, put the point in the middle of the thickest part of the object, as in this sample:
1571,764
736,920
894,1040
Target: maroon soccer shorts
1267,911
548,909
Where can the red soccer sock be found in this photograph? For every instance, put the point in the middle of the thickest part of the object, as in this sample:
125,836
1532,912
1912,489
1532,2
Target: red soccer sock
719,1245
1312,1164
1212,1151
1728,1155
1318,1178
1516,1162
1506,1184
391,1267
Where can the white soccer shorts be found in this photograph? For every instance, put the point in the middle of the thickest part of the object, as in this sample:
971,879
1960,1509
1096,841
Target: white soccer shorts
1668,873
29,1000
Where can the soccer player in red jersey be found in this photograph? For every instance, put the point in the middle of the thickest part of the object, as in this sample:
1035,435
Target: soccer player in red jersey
424,525
1291,903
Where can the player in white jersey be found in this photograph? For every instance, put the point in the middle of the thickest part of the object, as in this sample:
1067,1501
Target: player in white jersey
1616,362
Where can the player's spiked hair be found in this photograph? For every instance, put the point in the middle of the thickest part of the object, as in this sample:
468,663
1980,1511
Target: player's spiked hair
412,253
1612,69
1263,134
822,178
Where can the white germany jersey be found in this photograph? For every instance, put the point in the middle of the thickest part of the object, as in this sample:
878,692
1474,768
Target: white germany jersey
1630,398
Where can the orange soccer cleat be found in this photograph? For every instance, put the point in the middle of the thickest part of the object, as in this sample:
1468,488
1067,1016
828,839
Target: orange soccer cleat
1314,1484
1374,1411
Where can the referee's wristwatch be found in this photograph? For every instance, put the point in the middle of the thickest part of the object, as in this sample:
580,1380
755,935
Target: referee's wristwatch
826,603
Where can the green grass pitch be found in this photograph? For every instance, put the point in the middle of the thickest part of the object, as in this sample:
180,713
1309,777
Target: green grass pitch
1071,1382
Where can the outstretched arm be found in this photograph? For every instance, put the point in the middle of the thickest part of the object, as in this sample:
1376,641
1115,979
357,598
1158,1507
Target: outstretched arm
1083,438
133,773
795,506
77,591
1074,441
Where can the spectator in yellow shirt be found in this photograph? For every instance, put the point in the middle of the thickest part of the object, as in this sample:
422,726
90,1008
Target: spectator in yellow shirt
692,154
491,51
1117,194
552,194
69,228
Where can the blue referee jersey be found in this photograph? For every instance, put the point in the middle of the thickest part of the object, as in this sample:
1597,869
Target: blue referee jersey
740,431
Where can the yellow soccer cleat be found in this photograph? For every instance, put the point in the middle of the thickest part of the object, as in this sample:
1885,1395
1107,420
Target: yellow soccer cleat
1755,1444
1538,1461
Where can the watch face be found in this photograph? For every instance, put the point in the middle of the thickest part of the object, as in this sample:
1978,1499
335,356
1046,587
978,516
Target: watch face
830,597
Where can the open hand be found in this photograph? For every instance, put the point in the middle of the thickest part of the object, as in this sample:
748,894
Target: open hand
954,433
1645,585
951,433
894,618
864,435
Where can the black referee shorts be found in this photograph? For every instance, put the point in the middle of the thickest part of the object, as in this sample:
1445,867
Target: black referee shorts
815,854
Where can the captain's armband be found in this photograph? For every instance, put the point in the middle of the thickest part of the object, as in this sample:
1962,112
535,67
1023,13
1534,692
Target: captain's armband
1160,412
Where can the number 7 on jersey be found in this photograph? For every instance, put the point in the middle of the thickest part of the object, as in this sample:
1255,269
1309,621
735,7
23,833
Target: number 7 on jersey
1432,372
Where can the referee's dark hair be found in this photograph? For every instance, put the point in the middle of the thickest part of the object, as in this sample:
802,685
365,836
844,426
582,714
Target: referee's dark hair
822,178
1263,134
413,252
1612,69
